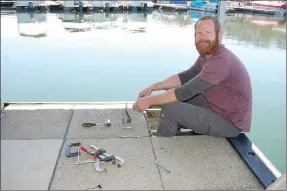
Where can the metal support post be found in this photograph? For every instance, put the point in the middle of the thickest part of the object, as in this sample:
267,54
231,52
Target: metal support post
221,12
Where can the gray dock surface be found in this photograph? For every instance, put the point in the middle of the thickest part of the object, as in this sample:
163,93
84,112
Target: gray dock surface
34,136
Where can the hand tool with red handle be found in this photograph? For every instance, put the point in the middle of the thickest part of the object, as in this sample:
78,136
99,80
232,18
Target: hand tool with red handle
94,154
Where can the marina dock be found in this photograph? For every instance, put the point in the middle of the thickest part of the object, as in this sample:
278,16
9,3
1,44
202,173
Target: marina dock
84,6
247,9
40,133
78,5
171,7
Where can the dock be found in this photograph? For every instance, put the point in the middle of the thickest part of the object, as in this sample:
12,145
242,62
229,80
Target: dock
82,6
7,4
248,9
115,6
34,138
171,7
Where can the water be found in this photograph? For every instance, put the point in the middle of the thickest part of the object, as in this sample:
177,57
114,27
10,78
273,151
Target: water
111,57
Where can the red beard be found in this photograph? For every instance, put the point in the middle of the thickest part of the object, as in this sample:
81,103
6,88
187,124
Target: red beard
205,47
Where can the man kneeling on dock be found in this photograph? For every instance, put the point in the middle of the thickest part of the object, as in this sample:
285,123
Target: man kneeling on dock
213,97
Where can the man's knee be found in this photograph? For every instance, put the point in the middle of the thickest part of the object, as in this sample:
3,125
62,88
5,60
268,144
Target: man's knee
168,127
167,109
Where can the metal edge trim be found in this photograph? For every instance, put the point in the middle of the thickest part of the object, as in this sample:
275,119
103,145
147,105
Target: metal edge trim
261,167
147,123
60,103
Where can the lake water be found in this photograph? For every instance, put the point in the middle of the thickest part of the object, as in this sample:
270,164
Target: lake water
111,57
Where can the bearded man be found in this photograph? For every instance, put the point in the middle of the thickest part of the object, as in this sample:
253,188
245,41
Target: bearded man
213,97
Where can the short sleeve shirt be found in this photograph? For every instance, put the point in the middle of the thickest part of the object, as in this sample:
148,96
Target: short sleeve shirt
232,94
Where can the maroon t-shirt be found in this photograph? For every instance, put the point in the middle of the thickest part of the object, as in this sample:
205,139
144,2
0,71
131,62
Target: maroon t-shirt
232,95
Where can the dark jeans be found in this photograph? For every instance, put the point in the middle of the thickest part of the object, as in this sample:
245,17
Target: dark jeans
195,115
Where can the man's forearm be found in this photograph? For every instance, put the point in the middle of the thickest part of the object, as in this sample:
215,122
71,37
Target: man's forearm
169,83
166,97
182,93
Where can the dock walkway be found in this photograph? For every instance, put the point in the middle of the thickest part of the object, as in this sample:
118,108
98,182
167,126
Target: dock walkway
249,9
34,137
114,6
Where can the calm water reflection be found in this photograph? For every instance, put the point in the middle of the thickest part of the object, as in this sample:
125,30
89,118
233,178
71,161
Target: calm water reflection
111,57
260,31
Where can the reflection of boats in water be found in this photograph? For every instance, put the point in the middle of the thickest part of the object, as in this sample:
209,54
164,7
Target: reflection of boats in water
104,20
275,24
280,29
79,22
265,21
32,24
134,22
259,31
172,18
76,22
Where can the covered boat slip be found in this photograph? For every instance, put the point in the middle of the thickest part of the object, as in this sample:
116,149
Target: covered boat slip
34,137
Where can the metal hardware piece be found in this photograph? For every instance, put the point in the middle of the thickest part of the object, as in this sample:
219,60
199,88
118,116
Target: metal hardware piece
158,164
119,161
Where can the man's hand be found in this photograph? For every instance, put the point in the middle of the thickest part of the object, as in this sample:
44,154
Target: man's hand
145,102
146,92
142,104
170,83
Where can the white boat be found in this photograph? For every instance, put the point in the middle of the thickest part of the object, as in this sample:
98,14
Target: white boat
76,3
139,4
29,3
279,7
207,6
103,4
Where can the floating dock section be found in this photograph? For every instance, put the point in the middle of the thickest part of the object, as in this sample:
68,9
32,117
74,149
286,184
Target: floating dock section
42,132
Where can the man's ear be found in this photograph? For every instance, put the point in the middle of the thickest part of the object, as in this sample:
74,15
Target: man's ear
220,34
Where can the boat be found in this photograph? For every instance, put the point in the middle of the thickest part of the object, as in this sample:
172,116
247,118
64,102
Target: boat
140,4
42,132
7,3
31,5
79,5
279,7
76,22
206,6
